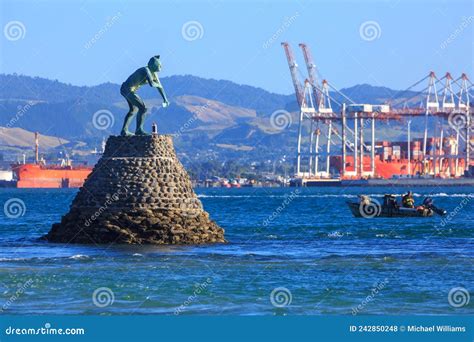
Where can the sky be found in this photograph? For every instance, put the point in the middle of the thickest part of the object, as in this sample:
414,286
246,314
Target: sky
389,43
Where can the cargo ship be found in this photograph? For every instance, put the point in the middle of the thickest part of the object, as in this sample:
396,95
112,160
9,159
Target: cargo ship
398,163
40,175
393,160
50,176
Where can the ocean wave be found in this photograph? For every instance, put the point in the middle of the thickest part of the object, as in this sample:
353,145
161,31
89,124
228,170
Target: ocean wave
36,258
378,256
229,196
335,235
79,257
14,259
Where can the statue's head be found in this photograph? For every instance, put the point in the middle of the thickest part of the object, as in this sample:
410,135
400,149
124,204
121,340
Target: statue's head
154,63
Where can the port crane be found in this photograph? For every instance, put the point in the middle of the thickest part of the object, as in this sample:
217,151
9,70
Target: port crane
437,100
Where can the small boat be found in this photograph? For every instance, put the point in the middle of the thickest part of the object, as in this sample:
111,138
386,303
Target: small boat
368,208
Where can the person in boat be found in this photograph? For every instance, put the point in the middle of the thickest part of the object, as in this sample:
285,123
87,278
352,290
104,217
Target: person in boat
408,201
364,200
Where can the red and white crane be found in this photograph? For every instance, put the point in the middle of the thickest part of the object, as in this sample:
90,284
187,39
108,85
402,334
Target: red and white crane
290,57
438,99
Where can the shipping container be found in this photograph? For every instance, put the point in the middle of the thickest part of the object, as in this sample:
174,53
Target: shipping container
381,108
367,108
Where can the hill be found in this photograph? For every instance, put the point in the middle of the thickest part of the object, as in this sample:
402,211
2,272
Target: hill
213,119
21,138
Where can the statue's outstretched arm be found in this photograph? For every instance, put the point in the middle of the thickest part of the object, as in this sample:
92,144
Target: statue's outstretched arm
154,82
163,95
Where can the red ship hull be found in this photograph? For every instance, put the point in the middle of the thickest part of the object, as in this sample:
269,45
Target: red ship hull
399,167
40,176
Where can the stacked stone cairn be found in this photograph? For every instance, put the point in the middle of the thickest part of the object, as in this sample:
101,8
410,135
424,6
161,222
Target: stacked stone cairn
138,193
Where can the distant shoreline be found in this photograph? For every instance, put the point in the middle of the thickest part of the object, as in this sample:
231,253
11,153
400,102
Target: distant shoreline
400,182
413,182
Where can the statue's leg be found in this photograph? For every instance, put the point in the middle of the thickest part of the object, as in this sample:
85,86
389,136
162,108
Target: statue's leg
128,117
126,123
140,116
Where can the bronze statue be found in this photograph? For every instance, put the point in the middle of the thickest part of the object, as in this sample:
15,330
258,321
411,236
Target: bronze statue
130,86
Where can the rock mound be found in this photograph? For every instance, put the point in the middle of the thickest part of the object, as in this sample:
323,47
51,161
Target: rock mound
138,193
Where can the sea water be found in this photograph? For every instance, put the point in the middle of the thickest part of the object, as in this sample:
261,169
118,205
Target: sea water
290,251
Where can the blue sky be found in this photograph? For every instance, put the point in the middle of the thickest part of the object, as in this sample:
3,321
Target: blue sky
91,42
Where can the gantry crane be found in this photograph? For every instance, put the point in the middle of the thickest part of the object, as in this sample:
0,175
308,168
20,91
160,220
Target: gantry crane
314,101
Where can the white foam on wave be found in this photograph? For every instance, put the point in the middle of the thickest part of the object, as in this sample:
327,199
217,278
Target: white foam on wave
79,257
12,259
462,195
230,196
335,235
